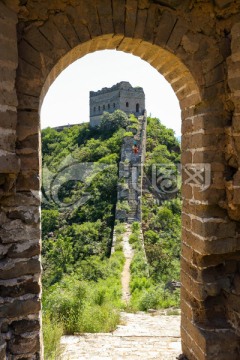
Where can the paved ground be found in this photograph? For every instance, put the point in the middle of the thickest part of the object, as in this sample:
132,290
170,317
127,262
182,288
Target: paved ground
141,336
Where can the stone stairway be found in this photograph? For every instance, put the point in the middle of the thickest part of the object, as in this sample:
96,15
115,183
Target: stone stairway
130,173
133,202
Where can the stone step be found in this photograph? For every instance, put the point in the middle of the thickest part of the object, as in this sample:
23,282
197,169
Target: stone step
132,220
133,211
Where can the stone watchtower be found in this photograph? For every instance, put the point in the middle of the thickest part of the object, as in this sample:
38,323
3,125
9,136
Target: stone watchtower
121,96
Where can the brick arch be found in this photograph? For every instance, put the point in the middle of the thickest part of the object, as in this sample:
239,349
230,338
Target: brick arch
166,63
191,48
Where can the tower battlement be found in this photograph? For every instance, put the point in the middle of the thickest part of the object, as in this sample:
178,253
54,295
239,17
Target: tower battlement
121,96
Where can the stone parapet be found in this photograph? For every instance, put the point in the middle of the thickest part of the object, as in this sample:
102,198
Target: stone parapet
121,96
131,174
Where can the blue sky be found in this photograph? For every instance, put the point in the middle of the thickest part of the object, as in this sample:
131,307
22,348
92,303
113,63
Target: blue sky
67,100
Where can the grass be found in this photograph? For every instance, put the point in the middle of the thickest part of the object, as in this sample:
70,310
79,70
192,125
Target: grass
74,305
128,134
52,332
99,318
123,205
119,228
133,119
153,297
145,294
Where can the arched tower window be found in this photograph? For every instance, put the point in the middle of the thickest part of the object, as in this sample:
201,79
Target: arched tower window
108,106
127,104
137,108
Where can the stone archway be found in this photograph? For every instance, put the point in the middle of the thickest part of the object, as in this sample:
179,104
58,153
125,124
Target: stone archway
189,43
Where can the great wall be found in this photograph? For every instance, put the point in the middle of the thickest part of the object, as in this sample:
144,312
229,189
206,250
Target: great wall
120,96
195,46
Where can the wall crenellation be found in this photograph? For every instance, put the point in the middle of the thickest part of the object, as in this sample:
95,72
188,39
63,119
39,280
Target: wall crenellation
121,96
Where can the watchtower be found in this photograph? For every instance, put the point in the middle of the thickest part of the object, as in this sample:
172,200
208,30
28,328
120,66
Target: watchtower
121,96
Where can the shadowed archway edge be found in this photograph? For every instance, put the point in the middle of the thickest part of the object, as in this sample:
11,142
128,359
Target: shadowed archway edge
176,73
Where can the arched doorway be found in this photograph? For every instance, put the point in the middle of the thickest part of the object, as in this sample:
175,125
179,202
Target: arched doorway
181,79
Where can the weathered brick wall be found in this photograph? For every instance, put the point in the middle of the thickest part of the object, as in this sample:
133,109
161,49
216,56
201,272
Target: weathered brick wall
19,210
130,175
120,96
232,182
8,98
8,121
111,103
194,44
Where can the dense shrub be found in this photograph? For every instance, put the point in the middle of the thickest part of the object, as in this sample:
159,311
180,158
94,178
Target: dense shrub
52,332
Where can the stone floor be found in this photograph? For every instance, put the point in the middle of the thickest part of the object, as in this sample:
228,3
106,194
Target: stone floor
140,336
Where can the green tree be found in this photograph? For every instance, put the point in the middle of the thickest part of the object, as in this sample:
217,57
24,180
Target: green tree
50,221
114,121
61,253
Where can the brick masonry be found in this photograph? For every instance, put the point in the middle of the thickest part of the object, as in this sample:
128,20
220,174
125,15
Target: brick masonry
195,46
121,96
130,176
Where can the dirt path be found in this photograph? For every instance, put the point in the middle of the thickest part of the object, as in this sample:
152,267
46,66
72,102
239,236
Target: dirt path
141,336
128,253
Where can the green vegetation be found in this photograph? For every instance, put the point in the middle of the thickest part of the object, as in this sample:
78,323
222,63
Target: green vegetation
123,205
128,134
161,222
81,282
52,332
157,264
78,216
73,301
161,210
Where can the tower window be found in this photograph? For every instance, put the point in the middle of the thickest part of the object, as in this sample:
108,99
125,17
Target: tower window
108,106
127,104
137,108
